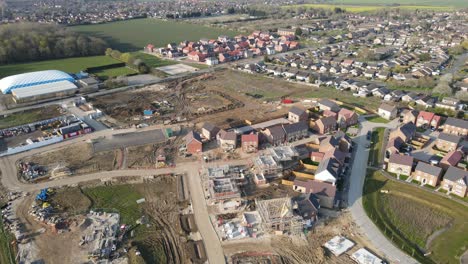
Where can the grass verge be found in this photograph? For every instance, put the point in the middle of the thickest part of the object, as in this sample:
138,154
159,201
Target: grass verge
407,215
7,254
376,153
377,119
29,116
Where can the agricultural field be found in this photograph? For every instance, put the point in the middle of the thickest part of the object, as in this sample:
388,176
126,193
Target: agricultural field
413,217
134,34
70,65
29,116
371,7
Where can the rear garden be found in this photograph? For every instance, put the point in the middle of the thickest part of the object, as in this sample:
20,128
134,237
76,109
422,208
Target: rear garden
416,220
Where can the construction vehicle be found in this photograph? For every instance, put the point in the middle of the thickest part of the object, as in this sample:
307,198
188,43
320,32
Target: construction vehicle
44,194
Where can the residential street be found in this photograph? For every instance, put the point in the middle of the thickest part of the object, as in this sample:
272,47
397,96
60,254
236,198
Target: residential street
360,217
211,241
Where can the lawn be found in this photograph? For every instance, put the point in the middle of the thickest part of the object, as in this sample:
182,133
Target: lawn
117,198
114,72
153,61
377,119
29,116
377,145
70,65
408,216
131,35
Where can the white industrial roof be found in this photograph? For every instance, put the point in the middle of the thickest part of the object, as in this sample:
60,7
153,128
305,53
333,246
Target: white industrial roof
43,89
29,79
339,245
363,256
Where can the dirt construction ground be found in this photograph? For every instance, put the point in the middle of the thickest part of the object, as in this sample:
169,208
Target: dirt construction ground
78,158
160,239
224,98
308,249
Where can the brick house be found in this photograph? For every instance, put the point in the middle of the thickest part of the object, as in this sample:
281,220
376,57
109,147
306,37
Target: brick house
447,142
455,181
451,159
324,191
296,131
196,56
325,125
193,143
326,104
275,135
227,140
400,164
456,126
296,114
410,116
249,142
427,174
346,118
427,120
209,131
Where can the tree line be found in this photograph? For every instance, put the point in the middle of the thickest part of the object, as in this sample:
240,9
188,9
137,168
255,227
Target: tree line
26,42
129,59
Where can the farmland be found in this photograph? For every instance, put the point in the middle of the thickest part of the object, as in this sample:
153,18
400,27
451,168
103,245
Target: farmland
134,34
371,7
408,216
71,65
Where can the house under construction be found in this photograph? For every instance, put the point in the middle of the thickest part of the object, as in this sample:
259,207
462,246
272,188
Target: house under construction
278,216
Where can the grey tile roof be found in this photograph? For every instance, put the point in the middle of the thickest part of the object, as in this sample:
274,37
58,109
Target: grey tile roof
457,122
401,159
455,174
449,137
429,169
297,111
387,107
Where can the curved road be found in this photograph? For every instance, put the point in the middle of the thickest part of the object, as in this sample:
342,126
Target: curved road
358,174
212,244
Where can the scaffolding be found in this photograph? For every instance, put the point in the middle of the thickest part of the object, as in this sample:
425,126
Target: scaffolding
278,216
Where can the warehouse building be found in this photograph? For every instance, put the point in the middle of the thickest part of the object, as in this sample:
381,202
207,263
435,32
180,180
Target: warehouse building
38,85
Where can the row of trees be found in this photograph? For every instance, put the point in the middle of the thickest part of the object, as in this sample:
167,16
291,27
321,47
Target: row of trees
129,59
32,42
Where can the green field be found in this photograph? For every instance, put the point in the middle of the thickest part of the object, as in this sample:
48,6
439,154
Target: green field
153,61
70,65
29,116
120,198
408,215
354,8
114,72
134,34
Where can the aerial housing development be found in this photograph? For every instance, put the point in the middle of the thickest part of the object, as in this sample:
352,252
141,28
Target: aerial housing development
233,132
